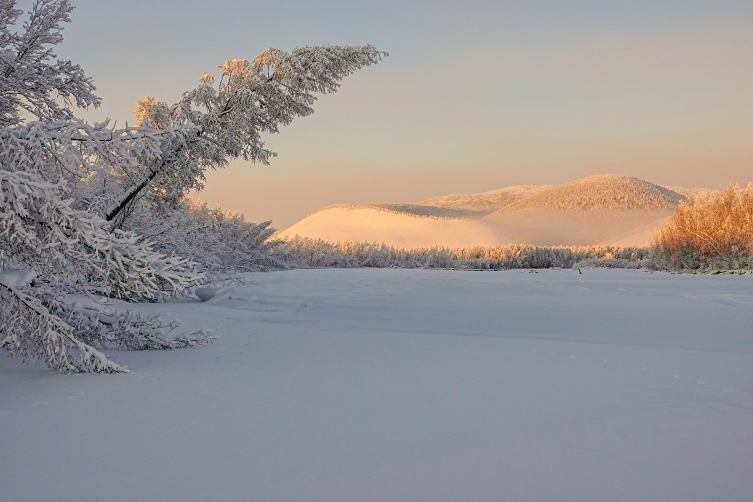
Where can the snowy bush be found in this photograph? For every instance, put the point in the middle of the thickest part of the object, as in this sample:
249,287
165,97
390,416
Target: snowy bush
220,242
610,263
710,231
317,253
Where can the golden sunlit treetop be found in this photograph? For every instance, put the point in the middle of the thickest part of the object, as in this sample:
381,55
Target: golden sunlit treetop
155,111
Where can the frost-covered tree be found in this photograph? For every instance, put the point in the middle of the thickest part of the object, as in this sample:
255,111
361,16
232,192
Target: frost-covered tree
712,230
67,188
70,252
221,242
33,78
225,121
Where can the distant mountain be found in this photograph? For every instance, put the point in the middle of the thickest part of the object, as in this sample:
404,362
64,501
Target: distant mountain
595,210
603,209
604,191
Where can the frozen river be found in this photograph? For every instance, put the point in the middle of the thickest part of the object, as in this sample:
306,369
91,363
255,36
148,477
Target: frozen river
408,385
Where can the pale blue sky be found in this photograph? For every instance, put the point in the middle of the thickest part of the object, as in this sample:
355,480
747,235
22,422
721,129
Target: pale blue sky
473,97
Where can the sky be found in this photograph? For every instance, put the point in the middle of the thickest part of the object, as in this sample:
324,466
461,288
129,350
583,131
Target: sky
474,96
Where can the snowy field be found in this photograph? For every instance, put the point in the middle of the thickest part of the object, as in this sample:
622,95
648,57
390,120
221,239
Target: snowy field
409,385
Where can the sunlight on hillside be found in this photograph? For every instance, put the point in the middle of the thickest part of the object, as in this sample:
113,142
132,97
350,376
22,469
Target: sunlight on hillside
603,209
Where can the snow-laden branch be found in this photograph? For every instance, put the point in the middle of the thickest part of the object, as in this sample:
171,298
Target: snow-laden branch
40,228
30,330
251,98
34,79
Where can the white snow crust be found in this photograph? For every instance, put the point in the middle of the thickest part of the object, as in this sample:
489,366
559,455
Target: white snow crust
416,385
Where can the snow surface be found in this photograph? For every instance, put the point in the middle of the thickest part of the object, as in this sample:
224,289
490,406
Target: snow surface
409,385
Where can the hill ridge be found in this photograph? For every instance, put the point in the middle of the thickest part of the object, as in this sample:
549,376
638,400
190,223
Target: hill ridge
485,201
410,210
599,192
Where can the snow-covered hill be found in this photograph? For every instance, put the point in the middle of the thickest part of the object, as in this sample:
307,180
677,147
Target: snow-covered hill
603,209
384,385
604,191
